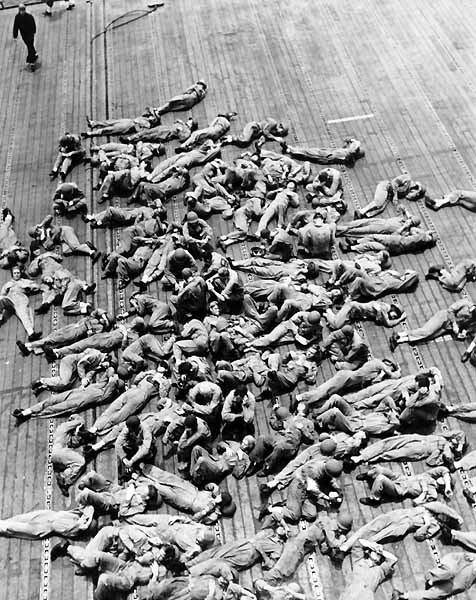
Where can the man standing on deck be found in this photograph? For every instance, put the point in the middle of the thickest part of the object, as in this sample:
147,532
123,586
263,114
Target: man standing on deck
25,24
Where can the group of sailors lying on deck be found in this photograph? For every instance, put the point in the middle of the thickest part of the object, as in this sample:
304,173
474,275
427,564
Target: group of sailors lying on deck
189,371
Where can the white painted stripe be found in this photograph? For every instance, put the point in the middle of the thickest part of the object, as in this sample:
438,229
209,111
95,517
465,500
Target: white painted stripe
347,119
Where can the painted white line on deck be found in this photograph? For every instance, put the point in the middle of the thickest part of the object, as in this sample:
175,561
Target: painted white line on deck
356,118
